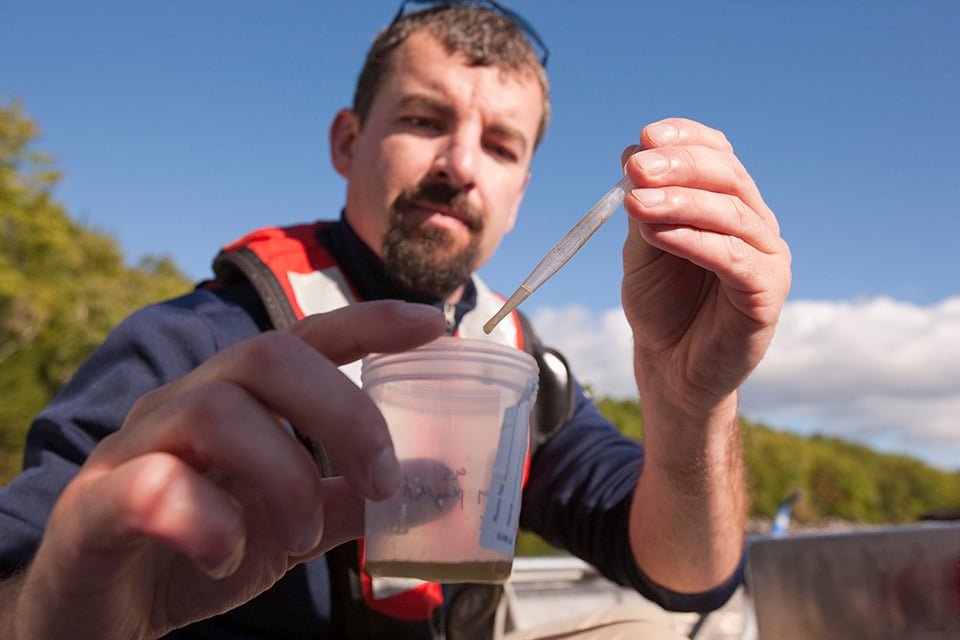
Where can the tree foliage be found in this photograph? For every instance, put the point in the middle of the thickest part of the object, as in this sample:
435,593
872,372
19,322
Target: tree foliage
62,285
842,480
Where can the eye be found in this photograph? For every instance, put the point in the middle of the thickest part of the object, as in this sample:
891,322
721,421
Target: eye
502,151
425,123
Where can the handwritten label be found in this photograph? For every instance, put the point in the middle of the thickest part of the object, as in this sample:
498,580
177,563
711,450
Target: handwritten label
430,490
439,494
501,517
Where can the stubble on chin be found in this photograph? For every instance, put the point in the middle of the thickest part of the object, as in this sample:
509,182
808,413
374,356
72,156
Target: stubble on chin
419,255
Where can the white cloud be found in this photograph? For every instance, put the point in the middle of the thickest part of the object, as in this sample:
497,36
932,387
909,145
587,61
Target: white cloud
599,346
876,371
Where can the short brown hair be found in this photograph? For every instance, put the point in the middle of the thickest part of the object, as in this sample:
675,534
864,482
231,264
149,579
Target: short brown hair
485,37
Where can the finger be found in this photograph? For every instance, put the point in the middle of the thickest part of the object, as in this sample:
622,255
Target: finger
679,132
703,210
98,554
734,262
344,508
338,414
342,335
343,513
302,385
154,497
224,431
383,326
682,131
699,168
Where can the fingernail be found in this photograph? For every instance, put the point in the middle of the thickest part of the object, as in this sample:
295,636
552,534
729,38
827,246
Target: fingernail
413,311
387,474
653,163
228,566
648,197
662,133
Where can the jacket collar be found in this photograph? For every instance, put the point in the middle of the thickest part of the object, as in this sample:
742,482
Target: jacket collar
369,277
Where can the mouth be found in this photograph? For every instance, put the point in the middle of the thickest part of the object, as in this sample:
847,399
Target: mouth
439,215
440,207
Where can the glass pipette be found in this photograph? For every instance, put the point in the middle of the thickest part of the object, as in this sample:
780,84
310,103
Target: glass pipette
561,252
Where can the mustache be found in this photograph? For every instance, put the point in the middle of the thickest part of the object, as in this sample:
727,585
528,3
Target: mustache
442,194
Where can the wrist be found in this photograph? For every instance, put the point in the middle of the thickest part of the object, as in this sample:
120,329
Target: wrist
683,404
691,441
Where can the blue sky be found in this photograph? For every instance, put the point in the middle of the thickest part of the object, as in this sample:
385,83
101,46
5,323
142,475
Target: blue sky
180,125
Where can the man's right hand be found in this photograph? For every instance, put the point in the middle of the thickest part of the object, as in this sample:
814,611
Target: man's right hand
203,499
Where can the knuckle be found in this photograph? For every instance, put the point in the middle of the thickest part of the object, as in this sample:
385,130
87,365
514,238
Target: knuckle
723,143
740,173
357,429
743,217
271,349
299,484
360,416
215,403
685,159
677,199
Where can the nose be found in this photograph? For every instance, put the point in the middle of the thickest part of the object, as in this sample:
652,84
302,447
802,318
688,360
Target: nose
456,161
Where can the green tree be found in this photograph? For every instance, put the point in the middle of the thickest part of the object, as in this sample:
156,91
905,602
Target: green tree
776,464
626,415
62,286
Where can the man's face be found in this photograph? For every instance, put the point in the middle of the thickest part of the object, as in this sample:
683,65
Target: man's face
437,172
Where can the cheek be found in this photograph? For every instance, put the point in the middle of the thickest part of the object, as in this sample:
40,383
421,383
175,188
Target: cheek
502,223
377,179
507,203
401,164
499,224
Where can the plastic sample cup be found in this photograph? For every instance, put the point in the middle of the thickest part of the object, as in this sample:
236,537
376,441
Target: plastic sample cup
458,411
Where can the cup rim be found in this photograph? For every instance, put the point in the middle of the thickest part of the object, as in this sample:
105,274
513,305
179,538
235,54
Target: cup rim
447,349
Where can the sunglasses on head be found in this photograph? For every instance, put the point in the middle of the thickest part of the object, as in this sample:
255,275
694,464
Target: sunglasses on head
525,26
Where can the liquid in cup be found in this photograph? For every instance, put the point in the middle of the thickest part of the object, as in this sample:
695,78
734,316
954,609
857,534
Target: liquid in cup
458,411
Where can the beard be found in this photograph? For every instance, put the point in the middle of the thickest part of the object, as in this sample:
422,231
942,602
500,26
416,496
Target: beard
418,255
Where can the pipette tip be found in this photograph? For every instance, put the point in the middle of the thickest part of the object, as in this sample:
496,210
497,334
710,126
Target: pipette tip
512,303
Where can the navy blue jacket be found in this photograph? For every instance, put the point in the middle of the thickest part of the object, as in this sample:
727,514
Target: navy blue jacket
577,496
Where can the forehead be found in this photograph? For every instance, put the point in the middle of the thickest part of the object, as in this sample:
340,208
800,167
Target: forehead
422,65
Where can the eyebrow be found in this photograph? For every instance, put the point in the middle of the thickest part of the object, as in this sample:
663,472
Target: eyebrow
418,101
444,108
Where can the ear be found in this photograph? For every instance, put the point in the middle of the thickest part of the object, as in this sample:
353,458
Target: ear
343,135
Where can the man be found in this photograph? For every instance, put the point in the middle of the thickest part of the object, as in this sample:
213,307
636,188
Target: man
203,517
